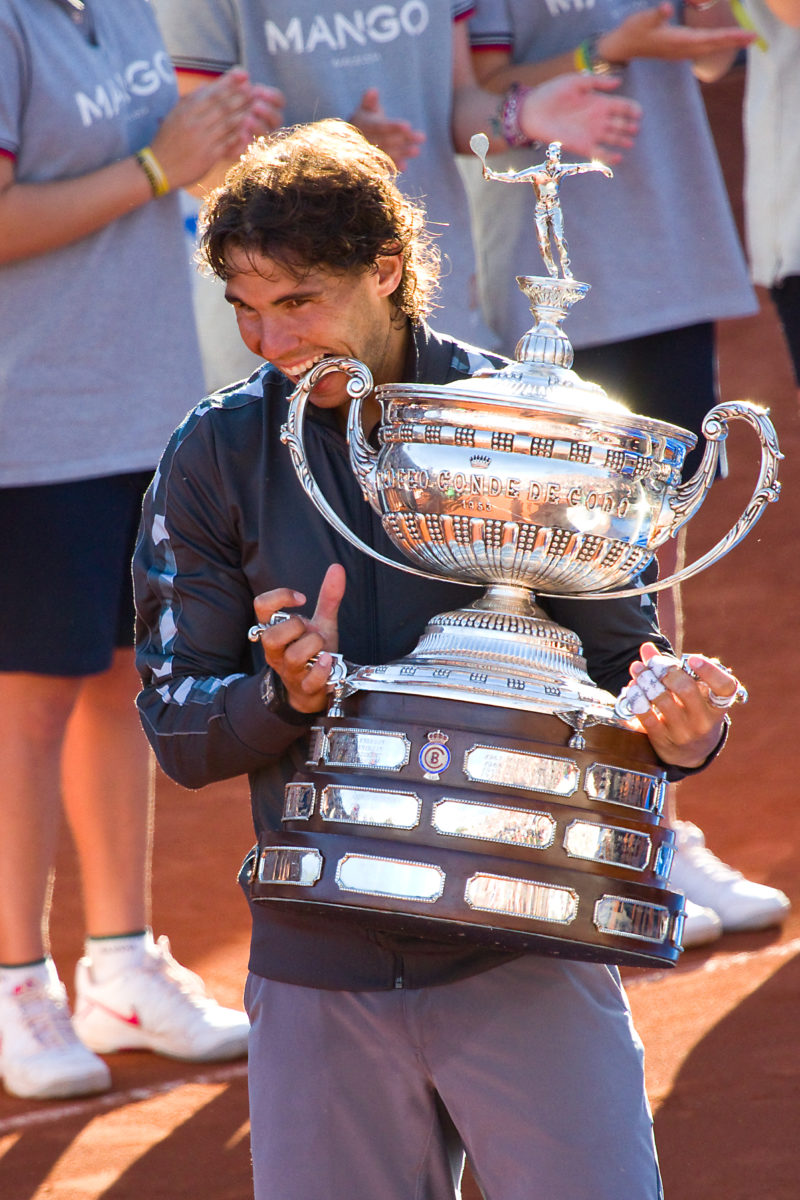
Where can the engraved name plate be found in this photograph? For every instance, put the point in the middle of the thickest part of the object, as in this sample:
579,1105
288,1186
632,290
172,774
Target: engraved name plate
607,844
366,806
493,823
664,857
317,745
366,748
521,898
290,864
631,918
377,876
298,801
631,788
518,768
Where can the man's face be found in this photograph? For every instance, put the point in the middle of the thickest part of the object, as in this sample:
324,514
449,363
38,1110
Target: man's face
293,323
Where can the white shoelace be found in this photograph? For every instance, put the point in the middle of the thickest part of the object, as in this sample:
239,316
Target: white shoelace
172,983
45,1015
704,860
189,983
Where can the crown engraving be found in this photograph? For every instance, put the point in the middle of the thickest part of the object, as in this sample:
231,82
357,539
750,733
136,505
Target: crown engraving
479,461
438,737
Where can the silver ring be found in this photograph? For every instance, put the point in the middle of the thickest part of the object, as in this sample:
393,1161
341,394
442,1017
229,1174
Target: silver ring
255,631
685,665
739,696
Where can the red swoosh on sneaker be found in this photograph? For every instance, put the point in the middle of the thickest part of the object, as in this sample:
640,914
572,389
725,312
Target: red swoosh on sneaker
133,1019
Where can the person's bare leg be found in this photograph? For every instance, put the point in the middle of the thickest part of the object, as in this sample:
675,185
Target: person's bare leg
108,785
34,710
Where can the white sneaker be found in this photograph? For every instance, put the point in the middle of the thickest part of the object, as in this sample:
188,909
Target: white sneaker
700,925
41,1057
703,878
156,1005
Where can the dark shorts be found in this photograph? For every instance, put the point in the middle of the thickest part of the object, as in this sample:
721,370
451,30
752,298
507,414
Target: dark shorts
671,376
787,301
66,600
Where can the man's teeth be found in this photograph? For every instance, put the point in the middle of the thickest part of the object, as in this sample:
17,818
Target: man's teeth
304,367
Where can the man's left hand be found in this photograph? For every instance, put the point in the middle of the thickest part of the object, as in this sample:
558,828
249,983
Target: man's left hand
685,711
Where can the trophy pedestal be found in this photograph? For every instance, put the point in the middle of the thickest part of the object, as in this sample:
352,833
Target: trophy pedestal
477,823
546,343
500,650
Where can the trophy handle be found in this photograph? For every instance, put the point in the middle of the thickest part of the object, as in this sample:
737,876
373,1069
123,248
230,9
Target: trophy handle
689,496
364,458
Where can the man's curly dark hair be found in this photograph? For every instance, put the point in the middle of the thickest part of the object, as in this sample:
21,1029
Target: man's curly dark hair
320,195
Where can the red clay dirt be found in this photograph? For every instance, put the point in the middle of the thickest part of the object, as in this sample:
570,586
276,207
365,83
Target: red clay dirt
720,1029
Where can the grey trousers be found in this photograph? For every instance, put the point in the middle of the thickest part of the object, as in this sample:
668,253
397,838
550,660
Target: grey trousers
533,1069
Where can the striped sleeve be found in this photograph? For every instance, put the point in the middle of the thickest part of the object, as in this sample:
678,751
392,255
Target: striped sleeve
15,70
490,26
200,35
200,704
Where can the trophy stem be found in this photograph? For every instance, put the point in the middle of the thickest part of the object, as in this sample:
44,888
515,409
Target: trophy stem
502,649
513,599
550,300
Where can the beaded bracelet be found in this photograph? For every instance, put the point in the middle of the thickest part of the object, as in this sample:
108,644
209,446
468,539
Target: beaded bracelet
509,116
156,176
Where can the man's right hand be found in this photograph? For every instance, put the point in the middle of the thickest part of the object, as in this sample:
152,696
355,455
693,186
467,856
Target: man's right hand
651,33
395,137
576,110
290,645
214,123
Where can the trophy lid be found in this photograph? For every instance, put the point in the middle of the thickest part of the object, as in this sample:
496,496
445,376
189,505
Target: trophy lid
522,395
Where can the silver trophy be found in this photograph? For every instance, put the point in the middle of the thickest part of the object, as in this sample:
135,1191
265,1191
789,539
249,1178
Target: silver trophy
522,480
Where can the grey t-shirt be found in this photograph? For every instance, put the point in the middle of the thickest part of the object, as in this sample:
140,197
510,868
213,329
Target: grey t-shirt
99,355
657,243
772,148
323,57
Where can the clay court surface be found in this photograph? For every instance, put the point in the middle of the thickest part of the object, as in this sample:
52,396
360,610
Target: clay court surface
720,1029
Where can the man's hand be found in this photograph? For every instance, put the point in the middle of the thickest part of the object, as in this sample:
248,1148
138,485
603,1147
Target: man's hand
290,645
395,138
650,33
265,113
213,123
683,715
576,111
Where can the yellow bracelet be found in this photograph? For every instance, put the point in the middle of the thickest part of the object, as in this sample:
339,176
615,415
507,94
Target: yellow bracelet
742,18
156,176
581,57
587,57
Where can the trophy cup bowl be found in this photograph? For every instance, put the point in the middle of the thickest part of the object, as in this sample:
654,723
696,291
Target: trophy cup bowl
523,480
530,477
483,788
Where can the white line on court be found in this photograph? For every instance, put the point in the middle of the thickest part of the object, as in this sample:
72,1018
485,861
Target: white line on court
718,962
115,1099
227,1074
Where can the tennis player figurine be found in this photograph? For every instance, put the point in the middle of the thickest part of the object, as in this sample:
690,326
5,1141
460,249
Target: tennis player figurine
545,180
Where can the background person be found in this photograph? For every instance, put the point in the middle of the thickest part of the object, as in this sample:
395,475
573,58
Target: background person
99,361
772,160
660,249
402,74
400,1052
